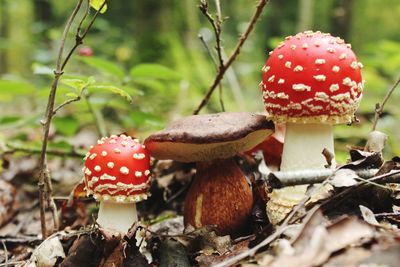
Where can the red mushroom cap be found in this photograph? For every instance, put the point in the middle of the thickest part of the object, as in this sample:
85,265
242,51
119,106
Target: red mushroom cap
312,77
117,170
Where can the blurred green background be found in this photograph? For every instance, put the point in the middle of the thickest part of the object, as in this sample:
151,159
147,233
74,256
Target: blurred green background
149,53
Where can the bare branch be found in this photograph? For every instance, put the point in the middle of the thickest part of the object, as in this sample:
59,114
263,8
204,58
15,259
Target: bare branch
44,183
379,107
233,56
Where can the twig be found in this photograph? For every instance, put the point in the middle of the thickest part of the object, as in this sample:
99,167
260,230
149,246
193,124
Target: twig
67,102
233,56
290,178
54,152
379,107
5,253
221,101
338,198
44,184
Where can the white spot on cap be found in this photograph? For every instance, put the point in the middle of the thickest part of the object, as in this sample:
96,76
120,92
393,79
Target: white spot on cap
86,156
112,141
100,142
110,165
117,150
304,46
113,136
282,95
334,87
347,81
93,156
317,43
354,65
360,65
139,155
301,87
336,69
271,79
331,50
138,174
348,46
88,172
124,170
265,68
124,143
146,172
97,168
293,47
298,68
320,77
270,52
343,56
320,61
281,81
143,146
104,153
280,56
288,64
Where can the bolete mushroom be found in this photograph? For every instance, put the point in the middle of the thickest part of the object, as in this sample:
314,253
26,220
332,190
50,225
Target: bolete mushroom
117,174
311,81
220,194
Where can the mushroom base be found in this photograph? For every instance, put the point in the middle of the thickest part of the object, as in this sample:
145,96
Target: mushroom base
117,216
219,196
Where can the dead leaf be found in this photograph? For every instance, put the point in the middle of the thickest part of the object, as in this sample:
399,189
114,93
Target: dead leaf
8,205
368,216
315,244
344,178
376,141
48,253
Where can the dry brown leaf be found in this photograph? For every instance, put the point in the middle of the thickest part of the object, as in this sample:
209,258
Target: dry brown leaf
316,243
8,205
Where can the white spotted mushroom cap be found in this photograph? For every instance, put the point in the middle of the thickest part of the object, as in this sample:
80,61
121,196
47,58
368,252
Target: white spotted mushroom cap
117,170
312,77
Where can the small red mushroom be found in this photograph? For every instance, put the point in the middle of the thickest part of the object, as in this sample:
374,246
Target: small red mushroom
117,172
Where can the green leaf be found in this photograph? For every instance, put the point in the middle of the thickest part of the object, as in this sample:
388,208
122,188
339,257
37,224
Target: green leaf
66,125
112,89
105,66
96,4
77,84
9,89
151,84
72,95
149,70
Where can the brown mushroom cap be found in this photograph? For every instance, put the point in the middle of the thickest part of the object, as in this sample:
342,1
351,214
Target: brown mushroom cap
208,137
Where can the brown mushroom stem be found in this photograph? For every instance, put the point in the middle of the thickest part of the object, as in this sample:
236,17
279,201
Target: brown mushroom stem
220,196
117,216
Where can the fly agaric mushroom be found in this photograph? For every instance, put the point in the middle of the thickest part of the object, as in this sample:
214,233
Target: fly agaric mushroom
311,81
220,194
117,174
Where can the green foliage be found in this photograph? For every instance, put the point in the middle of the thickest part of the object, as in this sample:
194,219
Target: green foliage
97,4
104,66
153,71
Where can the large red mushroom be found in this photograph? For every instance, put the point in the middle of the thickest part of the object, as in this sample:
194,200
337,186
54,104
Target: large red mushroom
117,172
311,81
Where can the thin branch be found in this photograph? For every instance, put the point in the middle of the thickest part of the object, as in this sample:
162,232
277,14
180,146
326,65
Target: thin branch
67,102
79,37
44,177
44,183
379,107
54,152
233,56
221,101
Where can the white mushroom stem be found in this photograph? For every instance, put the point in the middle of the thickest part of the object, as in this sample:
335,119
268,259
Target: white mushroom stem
117,216
302,150
304,144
